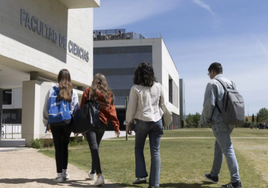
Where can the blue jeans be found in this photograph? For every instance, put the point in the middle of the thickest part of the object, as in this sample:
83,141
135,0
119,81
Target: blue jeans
223,146
155,131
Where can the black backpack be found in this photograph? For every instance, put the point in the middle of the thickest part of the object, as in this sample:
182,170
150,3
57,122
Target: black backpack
86,118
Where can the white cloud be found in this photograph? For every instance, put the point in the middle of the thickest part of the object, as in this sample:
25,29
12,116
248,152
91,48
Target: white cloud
262,46
109,16
203,5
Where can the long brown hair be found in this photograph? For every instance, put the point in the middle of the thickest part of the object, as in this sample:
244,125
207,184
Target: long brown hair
65,85
100,83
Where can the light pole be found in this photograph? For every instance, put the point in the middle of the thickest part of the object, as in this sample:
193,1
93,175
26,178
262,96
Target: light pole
125,123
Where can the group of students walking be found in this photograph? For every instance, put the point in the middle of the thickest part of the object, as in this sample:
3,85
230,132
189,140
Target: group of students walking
144,106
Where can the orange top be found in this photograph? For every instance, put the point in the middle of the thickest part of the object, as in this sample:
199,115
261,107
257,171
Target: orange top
106,111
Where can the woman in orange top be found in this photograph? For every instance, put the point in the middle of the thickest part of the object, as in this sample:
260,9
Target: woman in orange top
100,92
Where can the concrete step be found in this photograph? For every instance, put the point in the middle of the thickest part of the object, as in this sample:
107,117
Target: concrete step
12,142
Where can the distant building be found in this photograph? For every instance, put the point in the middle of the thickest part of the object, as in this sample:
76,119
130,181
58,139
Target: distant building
182,103
117,53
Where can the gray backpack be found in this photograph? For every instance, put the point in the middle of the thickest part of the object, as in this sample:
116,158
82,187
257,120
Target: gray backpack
233,105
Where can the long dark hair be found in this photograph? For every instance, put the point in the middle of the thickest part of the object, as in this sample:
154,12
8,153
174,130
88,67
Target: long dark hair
100,83
144,75
65,85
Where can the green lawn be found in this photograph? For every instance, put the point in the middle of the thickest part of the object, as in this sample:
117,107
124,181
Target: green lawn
184,161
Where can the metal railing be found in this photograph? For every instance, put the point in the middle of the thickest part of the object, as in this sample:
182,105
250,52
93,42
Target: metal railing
121,34
11,131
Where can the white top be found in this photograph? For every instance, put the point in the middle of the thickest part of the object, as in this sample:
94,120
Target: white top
144,103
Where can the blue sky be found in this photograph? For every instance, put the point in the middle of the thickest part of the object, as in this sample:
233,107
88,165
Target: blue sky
198,33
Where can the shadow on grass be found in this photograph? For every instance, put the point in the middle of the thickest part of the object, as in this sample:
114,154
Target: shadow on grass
187,185
177,185
69,183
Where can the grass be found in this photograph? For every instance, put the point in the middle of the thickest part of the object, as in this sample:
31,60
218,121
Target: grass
184,161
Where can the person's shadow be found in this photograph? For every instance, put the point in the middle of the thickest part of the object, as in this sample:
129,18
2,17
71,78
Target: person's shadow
187,185
70,183
177,185
85,183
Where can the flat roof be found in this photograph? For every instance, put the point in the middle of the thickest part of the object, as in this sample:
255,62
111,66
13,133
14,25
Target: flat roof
70,4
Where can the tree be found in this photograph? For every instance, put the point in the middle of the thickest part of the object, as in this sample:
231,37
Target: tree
262,115
196,119
253,118
189,119
193,120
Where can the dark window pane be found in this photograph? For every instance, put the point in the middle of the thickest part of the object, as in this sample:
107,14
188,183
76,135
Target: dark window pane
11,116
115,71
7,97
123,50
170,90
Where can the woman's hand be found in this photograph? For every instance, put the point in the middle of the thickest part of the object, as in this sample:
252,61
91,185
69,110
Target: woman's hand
128,129
117,133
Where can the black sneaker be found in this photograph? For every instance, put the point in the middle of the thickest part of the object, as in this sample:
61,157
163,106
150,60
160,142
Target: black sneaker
140,181
233,185
212,179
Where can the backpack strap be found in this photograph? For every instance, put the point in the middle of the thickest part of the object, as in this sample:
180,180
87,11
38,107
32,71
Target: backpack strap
224,87
47,127
222,83
88,93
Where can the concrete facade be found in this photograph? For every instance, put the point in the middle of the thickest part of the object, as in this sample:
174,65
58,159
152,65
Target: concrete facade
37,39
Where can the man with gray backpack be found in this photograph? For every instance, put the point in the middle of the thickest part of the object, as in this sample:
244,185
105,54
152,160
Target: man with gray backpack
223,109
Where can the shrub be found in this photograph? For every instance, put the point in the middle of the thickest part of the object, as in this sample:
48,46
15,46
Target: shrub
37,143
246,124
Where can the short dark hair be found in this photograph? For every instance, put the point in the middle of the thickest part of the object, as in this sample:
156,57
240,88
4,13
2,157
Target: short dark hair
144,75
216,67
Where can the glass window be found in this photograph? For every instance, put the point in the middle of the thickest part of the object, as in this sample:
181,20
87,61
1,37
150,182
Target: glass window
7,97
170,90
115,71
11,116
123,50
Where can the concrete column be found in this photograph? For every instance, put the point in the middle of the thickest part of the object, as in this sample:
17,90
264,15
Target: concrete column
30,111
1,112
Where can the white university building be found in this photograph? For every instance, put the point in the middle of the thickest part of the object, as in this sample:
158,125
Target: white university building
38,38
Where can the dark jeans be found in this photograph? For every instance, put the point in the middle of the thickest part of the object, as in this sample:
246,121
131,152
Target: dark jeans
61,137
93,138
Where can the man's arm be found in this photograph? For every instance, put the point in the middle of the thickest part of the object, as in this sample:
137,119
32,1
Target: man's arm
208,105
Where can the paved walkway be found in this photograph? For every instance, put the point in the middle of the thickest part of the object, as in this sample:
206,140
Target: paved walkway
26,168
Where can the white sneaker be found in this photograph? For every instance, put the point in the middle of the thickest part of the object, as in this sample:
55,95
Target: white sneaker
99,181
65,176
59,178
140,181
91,176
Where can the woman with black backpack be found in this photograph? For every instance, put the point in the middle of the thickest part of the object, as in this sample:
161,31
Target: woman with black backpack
100,92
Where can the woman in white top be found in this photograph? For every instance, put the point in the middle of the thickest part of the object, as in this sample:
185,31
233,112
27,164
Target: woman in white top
145,99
